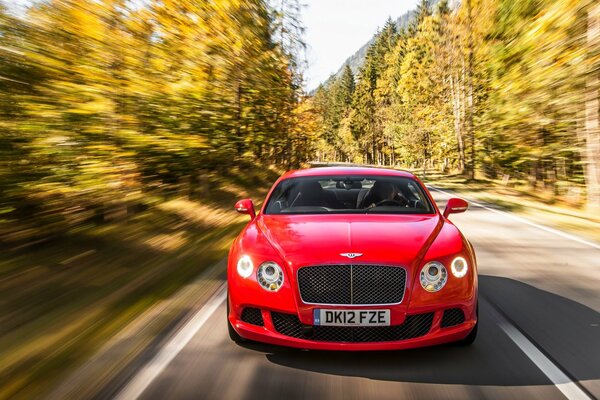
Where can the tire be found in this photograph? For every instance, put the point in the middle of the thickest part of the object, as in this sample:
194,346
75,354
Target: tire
473,334
233,335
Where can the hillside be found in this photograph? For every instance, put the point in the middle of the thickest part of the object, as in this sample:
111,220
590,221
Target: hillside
356,60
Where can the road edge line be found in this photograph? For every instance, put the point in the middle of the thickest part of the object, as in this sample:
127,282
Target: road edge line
567,385
148,373
522,220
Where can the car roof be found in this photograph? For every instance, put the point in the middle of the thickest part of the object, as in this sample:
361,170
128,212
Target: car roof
333,171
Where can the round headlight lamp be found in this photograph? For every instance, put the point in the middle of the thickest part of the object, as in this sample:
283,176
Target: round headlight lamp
459,267
270,276
433,276
245,266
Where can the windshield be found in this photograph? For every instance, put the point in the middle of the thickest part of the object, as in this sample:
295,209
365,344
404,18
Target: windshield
348,195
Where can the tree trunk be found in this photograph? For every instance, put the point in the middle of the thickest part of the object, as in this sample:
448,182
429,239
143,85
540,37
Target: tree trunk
462,93
592,110
469,119
238,127
454,90
373,151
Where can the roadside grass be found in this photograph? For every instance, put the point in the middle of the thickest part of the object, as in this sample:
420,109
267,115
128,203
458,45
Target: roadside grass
60,301
565,212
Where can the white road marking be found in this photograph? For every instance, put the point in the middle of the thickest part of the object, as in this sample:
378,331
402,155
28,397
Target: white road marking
150,371
562,382
554,373
523,220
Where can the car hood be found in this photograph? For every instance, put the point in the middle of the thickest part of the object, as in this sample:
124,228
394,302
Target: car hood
375,238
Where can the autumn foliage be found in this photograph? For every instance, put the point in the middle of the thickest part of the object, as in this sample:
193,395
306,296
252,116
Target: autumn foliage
498,87
105,102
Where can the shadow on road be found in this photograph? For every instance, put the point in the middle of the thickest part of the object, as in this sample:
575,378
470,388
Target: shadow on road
568,332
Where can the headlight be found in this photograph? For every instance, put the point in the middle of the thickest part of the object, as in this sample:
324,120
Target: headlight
270,276
433,276
459,267
245,266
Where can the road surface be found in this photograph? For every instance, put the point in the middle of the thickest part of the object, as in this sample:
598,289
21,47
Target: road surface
539,336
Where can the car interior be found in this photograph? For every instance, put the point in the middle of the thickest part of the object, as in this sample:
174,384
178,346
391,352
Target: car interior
348,195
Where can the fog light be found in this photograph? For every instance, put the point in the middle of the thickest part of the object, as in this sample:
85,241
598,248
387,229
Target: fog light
433,276
270,276
459,267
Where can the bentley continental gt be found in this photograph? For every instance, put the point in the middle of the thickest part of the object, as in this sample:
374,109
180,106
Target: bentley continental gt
351,259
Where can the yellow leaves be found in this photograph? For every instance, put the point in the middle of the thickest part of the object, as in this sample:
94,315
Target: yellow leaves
125,94
83,21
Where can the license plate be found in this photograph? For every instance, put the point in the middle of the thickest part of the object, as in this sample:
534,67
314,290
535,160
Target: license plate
330,317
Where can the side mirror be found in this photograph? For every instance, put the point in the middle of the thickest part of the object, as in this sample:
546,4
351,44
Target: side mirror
455,206
245,207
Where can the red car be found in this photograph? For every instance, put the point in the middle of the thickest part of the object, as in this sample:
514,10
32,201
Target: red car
351,259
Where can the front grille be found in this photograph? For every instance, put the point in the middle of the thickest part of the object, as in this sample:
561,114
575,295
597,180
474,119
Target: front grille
352,284
414,326
252,316
452,317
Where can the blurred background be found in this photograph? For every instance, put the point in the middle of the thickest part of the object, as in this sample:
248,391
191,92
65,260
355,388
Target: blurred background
128,128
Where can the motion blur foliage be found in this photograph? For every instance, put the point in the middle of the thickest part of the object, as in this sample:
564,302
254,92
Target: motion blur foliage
504,87
105,102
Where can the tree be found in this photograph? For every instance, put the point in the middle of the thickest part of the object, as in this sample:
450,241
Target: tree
104,101
592,108
347,87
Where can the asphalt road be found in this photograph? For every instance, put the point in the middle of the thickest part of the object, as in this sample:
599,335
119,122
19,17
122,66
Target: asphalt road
539,337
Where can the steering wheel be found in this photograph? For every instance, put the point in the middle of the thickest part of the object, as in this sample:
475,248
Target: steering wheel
392,202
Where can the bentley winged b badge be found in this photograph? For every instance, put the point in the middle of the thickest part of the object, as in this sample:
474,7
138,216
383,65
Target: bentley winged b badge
351,255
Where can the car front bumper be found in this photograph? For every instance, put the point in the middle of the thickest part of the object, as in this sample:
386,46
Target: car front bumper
419,328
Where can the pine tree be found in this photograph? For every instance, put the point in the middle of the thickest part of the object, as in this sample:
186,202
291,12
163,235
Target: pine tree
347,87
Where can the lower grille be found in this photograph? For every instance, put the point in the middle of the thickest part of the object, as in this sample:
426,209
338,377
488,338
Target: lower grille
252,316
452,317
414,326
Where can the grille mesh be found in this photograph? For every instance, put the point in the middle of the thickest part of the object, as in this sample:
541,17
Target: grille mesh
252,316
352,284
328,284
414,326
452,317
